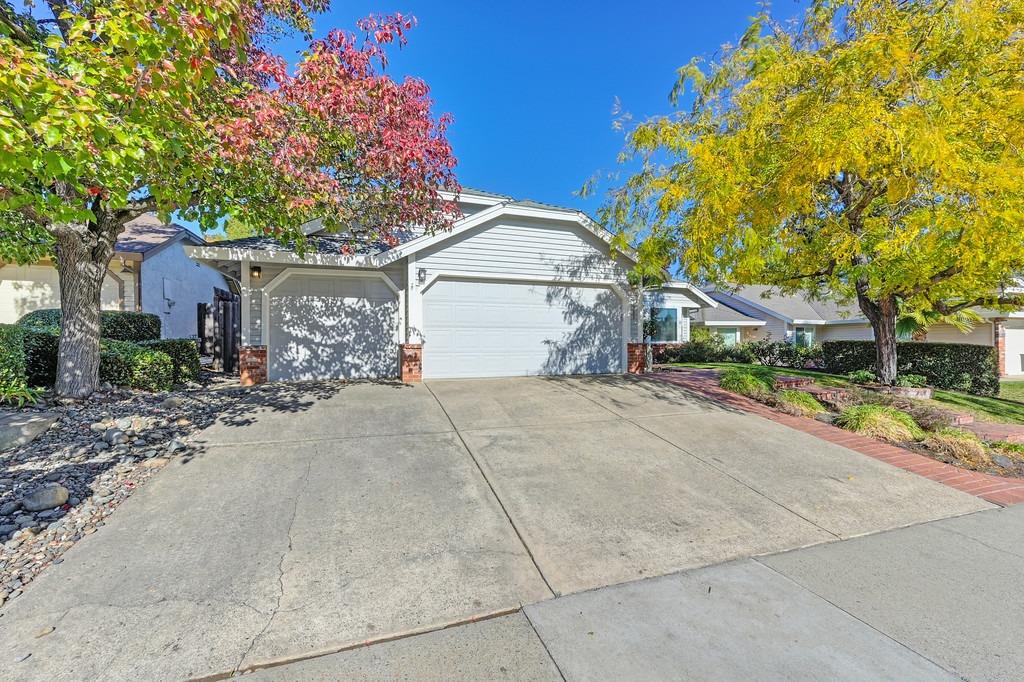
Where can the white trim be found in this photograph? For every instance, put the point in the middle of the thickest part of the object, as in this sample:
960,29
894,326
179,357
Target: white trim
804,323
718,323
468,196
246,331
614,285
686,286
849,320
320,272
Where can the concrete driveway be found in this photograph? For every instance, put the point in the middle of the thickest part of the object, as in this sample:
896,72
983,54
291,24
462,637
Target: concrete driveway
365,512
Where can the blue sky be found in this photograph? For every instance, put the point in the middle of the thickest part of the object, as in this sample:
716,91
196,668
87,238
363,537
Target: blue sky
532,84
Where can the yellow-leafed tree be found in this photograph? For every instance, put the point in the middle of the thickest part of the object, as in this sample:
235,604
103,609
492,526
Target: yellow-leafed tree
872,152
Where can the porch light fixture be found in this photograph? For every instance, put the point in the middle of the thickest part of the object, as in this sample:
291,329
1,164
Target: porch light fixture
255,272
124,267
421,275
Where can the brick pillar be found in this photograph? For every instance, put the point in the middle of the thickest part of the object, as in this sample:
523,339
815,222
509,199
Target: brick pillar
411,362
252,365
999,327
635,356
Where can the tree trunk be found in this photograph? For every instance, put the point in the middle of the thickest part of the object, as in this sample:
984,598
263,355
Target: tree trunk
883,323
82,258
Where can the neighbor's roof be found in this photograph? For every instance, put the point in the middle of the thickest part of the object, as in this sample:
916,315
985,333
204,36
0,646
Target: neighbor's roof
723,313
147,232
789,307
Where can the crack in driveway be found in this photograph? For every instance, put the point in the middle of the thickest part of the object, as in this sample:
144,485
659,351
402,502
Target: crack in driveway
280,566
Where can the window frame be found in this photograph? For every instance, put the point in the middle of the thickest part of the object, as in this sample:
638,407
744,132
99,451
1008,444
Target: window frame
805,330
653,310
737,336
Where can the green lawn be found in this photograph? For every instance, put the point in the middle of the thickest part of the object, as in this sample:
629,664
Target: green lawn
1007,408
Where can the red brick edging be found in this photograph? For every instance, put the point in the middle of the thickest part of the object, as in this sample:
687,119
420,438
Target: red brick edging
996,489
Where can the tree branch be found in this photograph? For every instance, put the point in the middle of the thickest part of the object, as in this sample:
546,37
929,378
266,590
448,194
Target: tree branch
1016,300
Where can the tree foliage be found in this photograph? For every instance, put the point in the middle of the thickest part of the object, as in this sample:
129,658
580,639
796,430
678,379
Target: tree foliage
870,152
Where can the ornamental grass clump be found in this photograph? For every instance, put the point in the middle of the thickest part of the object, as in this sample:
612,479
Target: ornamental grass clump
959,444
746,382
880,421
799,403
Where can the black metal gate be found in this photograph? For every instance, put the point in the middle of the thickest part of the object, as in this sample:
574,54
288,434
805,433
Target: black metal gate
219,330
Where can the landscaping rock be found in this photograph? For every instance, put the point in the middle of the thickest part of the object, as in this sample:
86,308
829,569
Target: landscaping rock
47,497
21,428
1002,461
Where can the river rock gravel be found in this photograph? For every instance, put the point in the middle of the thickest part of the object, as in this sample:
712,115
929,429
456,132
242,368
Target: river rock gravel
61,486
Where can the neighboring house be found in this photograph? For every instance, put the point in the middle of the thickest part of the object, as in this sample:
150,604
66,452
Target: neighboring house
757,312
514,288
149,272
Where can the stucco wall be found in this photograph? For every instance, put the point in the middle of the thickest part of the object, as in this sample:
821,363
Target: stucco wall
24,288
172,285
845,332
981,335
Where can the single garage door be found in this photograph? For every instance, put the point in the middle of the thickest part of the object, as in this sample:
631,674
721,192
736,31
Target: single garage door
331,327
496,329
1014,347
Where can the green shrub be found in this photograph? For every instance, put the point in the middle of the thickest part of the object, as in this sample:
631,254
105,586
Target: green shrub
862,376
954,366
746,382
911,380
12,353
123,363
880,421
119,325
14,387
184,353
800,402
41,355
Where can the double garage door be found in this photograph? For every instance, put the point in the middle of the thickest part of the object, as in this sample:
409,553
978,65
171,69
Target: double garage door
495,329
347,327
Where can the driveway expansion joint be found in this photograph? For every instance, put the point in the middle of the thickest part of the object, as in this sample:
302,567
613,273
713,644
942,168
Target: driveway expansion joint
494,492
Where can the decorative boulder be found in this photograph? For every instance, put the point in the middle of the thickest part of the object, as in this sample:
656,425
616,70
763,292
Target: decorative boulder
46,497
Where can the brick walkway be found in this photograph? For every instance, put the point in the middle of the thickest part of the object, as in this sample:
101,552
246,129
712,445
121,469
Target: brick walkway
996,489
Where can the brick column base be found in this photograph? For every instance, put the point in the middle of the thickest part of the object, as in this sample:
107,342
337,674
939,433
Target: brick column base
252,365
410,360
1000,343
635,357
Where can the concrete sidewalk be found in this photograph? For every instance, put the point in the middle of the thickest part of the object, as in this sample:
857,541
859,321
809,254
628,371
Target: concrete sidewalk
938,601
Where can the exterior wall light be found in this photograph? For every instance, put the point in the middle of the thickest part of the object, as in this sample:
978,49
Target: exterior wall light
255,272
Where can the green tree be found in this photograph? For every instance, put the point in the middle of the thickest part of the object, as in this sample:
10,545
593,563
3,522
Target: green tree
114,108
870,152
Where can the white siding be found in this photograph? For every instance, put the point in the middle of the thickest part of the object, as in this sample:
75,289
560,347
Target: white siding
981,335
172,286
24,288
523,247
845,332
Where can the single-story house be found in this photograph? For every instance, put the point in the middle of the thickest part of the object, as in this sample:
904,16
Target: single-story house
149,272
756,312
513,288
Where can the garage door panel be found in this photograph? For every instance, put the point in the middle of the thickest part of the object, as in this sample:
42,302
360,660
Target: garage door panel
493,328
332,328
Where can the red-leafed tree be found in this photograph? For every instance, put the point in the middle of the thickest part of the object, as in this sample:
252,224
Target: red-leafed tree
114,108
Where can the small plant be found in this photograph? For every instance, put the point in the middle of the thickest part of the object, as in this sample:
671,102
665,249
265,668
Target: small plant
912,380
746,382
15,392
880,421
959,444
799,402
861,376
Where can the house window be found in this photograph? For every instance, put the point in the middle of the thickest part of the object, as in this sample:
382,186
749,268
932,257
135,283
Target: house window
665,323
730,335
803,336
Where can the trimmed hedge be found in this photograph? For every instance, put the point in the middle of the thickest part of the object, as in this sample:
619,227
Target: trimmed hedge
41,355
12,354
954,366
123,363
119,325
184,353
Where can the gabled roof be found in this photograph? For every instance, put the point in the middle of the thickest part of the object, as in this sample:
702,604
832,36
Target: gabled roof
147,233
724,315
793,308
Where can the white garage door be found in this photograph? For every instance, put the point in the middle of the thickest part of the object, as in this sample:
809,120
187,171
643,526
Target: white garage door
330,327
496,329
1015,347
